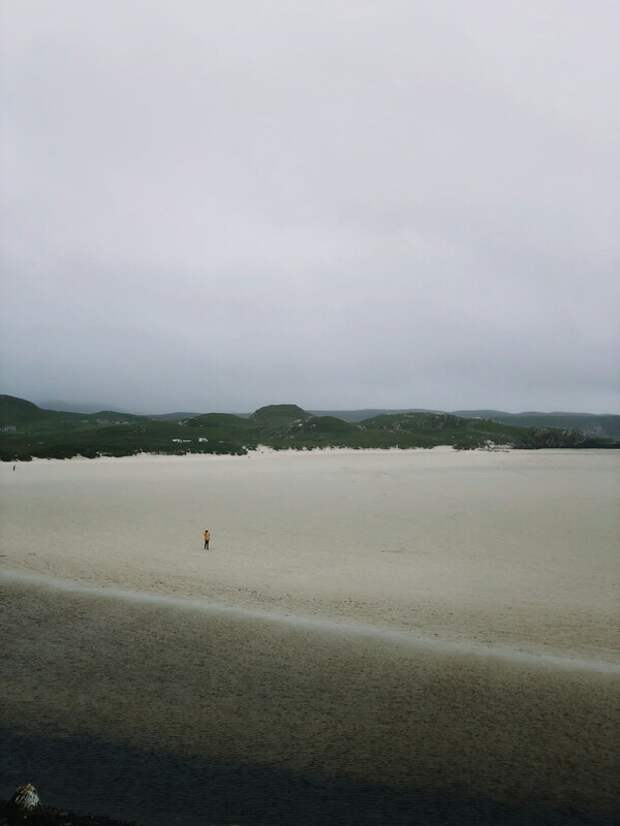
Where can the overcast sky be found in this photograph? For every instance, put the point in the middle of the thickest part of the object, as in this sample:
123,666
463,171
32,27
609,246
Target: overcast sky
218,205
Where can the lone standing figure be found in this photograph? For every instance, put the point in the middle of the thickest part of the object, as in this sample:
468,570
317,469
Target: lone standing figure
207,537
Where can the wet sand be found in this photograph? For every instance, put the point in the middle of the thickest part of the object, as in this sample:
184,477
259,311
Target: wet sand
430,634
276,704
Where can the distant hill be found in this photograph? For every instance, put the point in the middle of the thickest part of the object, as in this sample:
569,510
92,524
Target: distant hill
172,417
63,406
414,421
590,424
26,417
279,412
28,430
327,424
429,428
221,420
14,411
366,413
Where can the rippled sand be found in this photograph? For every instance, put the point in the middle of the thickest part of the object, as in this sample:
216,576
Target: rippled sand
434,624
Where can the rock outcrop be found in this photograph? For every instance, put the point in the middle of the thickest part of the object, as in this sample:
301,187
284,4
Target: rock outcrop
25,809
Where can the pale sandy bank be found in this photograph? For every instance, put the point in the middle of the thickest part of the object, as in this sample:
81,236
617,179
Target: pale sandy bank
517,549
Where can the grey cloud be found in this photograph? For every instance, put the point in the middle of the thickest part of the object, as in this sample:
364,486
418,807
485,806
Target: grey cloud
215,206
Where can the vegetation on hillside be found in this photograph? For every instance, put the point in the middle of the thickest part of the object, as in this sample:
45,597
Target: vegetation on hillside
28,431
590,424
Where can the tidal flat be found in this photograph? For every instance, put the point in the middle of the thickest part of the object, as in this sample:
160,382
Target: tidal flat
381,637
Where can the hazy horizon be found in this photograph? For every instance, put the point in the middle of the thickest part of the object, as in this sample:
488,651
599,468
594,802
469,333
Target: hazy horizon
341,205
86,406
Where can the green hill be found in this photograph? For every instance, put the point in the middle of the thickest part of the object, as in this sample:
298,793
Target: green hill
461,432
28,430
366,413
218,428
279,413
278,424
178,416
15,411
414,422
590,424
327,424
227,420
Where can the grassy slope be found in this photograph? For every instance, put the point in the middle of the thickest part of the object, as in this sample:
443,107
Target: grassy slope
590,424
58,434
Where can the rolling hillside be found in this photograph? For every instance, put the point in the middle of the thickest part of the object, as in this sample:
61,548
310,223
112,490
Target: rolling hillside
590,424
27,430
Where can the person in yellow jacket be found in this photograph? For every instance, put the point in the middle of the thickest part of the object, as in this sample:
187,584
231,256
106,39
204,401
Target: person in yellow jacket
207,537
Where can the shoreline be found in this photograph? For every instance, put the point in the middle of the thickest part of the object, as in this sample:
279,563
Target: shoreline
409,639
261,450
265,450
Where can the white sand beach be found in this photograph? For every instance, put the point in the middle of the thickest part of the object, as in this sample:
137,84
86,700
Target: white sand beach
518,549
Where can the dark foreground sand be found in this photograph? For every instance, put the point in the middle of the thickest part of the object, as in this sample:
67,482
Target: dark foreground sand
155,712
